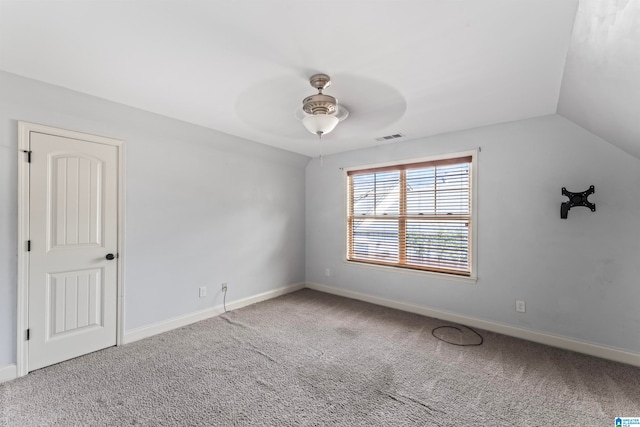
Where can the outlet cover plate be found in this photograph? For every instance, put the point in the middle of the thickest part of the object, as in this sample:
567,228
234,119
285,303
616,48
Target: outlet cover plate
520,306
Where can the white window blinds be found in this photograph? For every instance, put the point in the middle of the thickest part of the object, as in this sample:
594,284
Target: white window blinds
413,216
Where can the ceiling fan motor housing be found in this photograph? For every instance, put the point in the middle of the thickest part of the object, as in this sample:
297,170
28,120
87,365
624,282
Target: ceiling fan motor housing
319,104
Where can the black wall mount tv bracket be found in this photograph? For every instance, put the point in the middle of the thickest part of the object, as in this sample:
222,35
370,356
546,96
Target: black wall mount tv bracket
576,199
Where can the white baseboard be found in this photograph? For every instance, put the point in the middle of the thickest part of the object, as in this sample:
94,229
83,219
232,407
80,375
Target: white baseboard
187,319
8,373
589,348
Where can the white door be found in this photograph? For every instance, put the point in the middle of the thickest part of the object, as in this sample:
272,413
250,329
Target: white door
73,220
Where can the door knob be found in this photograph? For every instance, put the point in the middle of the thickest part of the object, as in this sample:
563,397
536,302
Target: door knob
110,256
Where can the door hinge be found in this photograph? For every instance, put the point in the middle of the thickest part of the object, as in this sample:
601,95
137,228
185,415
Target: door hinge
28,155
28,334
28,245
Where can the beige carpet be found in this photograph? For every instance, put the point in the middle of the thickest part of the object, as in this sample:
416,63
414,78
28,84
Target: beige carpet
309,359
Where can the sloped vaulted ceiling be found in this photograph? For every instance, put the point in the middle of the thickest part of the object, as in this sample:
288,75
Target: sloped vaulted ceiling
601,84
400,66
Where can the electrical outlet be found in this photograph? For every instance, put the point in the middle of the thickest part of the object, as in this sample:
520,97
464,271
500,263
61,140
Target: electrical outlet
202,291
520,307
327,272
224,287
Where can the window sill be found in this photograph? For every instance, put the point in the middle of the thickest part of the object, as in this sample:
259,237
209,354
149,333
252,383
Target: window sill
390,269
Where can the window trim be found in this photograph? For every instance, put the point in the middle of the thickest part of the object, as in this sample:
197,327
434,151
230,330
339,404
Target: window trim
473,263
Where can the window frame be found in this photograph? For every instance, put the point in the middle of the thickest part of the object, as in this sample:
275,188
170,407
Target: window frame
473,232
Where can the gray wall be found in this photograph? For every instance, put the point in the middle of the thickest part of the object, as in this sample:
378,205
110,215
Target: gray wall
579,276
203,207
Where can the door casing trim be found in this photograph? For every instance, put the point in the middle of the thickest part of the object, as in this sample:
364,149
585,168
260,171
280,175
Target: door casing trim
22,306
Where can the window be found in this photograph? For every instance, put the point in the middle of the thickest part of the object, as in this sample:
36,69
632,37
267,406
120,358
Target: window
415,215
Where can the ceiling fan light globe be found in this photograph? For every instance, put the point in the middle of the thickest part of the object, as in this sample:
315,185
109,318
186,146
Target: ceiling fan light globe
320,124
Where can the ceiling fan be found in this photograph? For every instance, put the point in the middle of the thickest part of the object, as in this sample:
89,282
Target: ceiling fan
321,113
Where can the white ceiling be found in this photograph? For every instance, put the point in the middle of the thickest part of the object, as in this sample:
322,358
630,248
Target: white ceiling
414,67
601,86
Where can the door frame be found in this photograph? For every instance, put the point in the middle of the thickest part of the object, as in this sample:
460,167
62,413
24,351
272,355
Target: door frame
22,307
